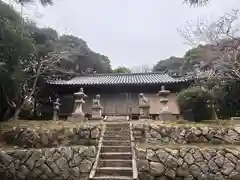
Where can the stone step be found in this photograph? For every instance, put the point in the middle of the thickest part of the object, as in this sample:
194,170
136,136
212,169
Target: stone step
115,143
116,149
116,155
114,163
117,124
114,171
116,133
107,134
114,120
117,130
118,127
112,178
116,137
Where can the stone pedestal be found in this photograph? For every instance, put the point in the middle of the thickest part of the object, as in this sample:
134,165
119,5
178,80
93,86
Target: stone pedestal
144,111
96,109
144,107
96,113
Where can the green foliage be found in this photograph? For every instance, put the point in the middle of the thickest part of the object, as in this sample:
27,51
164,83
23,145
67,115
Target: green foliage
42,35
79,58
23,46
121,69
16,52
171,66
8,13
14,46
43,2
228,99
179,66
191,55
202,56
194,104
194,56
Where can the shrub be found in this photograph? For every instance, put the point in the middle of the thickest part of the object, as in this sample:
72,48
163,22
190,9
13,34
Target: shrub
193,104
228,99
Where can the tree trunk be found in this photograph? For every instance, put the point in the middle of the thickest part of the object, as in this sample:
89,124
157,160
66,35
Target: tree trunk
215,114
7,113
16,114
18,110
35,108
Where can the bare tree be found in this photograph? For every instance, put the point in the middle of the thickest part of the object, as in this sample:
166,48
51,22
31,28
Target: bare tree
48,63
223,58
197,2
42,2
222,34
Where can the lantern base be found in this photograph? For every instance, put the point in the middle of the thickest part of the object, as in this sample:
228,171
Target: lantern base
76,117
167,116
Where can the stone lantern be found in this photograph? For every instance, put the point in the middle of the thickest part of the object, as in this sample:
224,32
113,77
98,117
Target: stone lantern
78,113
144,106
164,113
96,109
56,108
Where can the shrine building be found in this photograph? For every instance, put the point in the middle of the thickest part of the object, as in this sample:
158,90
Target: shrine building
119,93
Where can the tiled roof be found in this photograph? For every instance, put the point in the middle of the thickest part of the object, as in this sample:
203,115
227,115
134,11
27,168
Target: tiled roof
120,78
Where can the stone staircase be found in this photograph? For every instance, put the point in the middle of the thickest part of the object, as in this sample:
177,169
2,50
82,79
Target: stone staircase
116,155
117,118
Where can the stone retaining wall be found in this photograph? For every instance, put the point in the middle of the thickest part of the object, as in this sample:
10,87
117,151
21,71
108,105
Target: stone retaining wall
63,163
187,134
40,138
189,163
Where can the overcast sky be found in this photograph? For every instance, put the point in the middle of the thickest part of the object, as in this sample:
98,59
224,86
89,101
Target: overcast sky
129,32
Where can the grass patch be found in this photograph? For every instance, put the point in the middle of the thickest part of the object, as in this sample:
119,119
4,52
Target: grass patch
145,145
60,125
49,124
5,126
185,122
